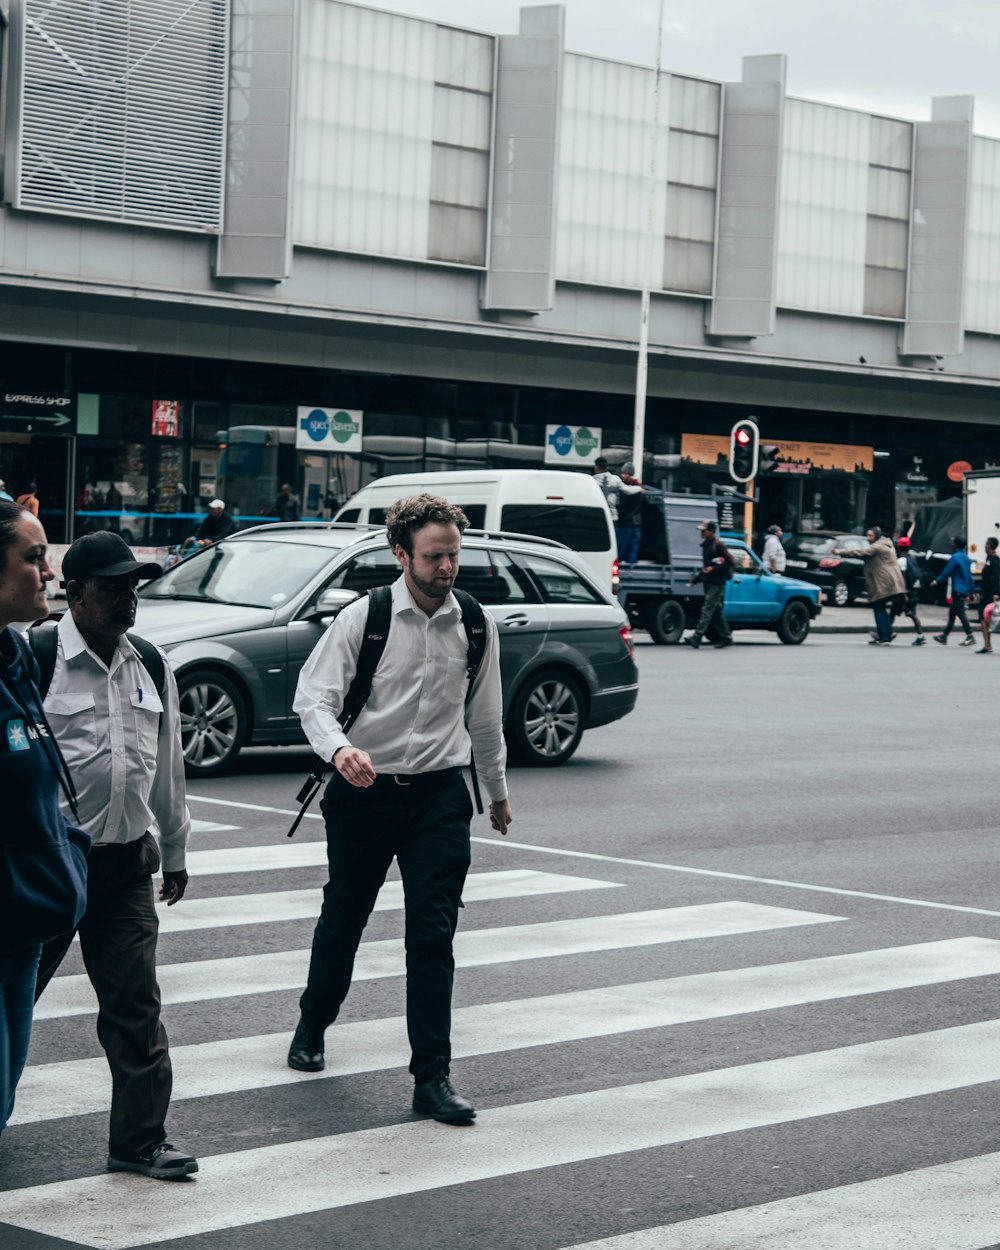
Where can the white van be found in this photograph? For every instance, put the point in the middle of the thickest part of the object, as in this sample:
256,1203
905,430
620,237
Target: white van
568,507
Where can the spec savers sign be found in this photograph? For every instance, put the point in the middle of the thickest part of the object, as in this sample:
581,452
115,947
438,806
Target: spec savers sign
569,445
328,429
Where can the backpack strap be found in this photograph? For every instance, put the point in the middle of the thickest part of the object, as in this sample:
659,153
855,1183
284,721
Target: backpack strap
152,662
376,635
474,621
44,643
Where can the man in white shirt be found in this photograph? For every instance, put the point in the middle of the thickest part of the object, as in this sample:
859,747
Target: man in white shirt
398,790
774,552
122,743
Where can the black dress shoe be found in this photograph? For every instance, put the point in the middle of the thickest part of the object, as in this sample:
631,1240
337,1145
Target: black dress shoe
436,1098
306,1051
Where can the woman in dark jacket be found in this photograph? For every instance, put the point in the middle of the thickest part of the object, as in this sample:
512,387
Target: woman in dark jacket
43,873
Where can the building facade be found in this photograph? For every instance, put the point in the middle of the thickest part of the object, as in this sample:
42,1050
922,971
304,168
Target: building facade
244,242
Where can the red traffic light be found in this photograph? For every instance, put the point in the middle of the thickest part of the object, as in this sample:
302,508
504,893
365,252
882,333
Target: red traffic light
742,437
743,448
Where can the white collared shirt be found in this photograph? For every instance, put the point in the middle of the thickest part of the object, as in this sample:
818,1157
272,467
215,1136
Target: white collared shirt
774,554
122,746
415,719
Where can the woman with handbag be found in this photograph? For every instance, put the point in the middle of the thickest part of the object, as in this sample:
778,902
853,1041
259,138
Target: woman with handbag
43,870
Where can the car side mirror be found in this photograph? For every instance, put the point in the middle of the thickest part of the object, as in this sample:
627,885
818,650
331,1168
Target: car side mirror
330,602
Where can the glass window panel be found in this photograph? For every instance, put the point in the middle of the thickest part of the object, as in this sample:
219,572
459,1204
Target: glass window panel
888,193
690,213
582,528
694,105
885,292
692,159
462,118
892,143
464,59
457,234
459,176
558,583
688,267
982,290
887,242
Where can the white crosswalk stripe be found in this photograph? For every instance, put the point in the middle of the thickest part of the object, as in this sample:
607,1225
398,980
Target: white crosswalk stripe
281,1181
278,905
952,1206
211,1068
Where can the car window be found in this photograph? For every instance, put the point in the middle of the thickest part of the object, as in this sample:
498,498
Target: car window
581,528
372,568
851,542
476,512
743,560
350,516
252,573
812,546
491,581
557,582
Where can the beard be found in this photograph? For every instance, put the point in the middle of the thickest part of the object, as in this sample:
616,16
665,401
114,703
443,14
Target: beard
434,589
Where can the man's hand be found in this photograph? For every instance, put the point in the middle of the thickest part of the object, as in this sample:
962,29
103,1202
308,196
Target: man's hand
172,887
355,766
500,815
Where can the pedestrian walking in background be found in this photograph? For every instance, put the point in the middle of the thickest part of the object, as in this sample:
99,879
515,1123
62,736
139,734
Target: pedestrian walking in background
774,551
989,587
398,790
288,507
883,580
628,527
112,703
43,858
717,568
910,568
959,569
29,499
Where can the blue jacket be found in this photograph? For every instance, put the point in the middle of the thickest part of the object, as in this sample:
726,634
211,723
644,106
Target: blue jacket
959,569
43,859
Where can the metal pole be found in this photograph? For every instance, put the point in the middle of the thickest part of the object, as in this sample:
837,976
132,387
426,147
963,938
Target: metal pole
642,359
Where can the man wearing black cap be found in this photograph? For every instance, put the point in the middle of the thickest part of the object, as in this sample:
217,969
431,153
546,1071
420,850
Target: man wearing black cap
113,706
717,569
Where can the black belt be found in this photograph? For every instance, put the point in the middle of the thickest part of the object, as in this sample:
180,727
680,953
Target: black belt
417,779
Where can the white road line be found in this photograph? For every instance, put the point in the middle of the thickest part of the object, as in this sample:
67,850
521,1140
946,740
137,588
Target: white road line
78,1087
210,826
954,1206
268,858
285,970
682,868
118,1211
278,905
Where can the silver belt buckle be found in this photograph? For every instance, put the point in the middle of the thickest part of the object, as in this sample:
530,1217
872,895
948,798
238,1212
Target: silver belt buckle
401,781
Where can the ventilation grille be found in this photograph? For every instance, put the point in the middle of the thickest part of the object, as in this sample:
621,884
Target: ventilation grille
123,110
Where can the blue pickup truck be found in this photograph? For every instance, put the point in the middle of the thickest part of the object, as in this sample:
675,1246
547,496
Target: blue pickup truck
657,594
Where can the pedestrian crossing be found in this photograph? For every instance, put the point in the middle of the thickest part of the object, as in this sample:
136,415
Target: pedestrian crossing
760,967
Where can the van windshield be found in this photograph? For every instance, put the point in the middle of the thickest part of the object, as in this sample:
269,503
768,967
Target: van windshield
581,528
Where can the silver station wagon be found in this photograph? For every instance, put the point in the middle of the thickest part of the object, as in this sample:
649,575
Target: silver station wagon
239,619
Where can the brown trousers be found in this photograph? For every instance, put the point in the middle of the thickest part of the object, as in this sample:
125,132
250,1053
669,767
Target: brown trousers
118,943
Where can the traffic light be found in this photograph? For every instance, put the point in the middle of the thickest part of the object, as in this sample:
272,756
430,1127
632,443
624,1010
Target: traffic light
744,439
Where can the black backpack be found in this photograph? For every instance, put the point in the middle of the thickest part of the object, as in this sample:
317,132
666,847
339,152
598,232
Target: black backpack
45,644
376,635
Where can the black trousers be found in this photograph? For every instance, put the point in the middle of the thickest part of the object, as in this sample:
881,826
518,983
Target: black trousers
425,825
118,943
712,612
956,612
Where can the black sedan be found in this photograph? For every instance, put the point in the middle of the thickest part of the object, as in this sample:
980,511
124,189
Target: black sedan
810,558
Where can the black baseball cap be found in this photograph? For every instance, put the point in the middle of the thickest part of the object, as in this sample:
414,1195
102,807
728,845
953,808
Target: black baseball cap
104,554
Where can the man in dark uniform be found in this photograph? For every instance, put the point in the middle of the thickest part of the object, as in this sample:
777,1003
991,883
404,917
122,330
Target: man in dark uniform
717,569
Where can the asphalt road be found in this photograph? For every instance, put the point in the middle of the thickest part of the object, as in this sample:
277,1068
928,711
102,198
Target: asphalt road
729,984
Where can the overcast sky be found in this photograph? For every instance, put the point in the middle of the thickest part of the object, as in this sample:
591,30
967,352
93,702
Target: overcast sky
887,56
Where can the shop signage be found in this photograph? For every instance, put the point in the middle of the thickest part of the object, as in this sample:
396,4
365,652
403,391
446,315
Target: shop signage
328,429
37,412
571,445
782,455
958,470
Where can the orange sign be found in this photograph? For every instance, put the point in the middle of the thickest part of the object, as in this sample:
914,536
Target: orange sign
958,470
781,455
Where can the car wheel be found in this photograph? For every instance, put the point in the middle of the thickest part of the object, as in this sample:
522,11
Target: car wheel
793,627
666,622
840,593
213,723
545,722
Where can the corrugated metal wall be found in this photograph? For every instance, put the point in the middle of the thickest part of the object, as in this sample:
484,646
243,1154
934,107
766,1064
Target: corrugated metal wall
824,208
693,174
607,110
982,264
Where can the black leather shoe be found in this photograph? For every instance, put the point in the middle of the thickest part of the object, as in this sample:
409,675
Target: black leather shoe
436,1098
723,642
163,1163
692,640
306,1051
